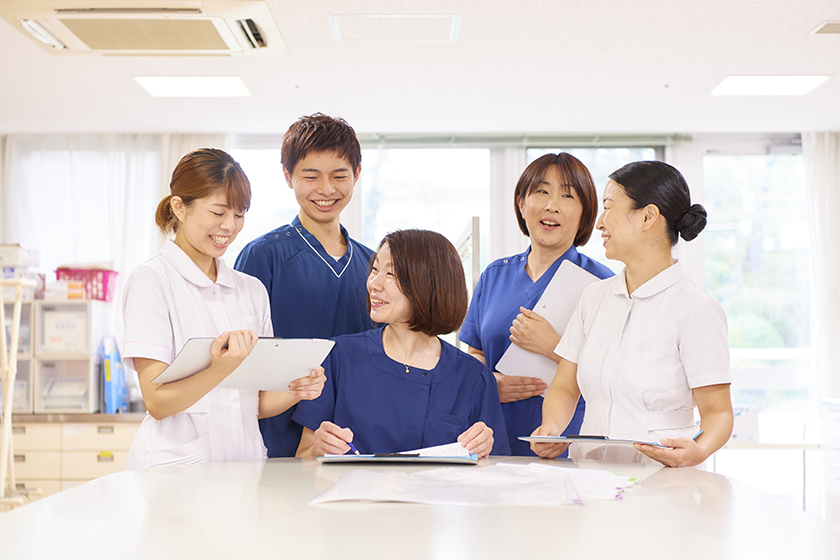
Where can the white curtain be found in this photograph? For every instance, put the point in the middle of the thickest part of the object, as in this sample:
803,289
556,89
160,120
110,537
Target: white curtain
80,199
822,164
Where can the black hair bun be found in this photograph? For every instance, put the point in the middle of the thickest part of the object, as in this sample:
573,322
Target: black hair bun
692,222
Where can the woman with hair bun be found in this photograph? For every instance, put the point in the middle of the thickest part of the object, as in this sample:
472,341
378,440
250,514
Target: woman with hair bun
648,345
186,291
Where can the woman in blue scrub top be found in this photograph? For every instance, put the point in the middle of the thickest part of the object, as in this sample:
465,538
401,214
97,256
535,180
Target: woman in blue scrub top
556,206
400,387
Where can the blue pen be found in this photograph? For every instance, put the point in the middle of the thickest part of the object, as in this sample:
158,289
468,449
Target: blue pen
698,434
353,448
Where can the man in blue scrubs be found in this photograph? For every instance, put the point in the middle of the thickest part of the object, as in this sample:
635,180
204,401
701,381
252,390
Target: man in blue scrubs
314,272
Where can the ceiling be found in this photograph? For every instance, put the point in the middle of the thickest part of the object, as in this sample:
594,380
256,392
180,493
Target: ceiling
517,66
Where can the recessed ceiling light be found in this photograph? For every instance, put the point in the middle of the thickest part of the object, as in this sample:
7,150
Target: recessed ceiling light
194,86
768,85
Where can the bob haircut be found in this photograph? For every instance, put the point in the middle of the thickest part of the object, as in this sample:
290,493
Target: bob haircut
430,274
660,184
200,174
573,174
320,133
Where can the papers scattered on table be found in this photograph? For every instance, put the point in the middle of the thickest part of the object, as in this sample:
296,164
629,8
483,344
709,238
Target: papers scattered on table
535,484
556,306
449,453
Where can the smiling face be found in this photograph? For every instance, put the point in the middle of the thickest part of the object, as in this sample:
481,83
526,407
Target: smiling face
387,302
552,212
323,184
619,223
207,227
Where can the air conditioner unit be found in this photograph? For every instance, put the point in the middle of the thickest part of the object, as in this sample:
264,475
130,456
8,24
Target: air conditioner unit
147,27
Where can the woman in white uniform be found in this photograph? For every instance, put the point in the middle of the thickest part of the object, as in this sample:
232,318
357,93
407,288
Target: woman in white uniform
186,291
648,345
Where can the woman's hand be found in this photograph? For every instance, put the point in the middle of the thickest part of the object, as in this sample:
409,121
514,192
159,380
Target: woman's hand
310,387
548,450
685,453
533,333
331,439
478,439
514,388
716,418
229,349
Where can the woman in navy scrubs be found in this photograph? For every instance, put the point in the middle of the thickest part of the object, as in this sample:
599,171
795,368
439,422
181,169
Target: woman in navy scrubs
556,206
400,387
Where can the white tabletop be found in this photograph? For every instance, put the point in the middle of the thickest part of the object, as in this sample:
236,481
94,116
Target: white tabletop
253,510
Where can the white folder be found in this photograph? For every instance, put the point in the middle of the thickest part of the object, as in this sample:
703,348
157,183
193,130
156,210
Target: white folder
271,365
556,305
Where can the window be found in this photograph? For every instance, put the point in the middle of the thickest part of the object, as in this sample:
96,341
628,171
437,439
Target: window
437,189
757,267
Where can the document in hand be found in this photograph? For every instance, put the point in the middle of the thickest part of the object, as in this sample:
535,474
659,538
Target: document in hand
556,305
603,440
452,453
271,365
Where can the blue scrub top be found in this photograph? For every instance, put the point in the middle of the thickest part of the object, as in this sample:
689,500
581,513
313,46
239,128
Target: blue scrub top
504,286
390,410
312,296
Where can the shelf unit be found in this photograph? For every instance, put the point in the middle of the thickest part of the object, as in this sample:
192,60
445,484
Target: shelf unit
66,357
22,400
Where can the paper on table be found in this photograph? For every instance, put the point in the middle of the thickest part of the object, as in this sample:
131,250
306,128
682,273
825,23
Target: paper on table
556,305
271,365
501,484
446,450
448,453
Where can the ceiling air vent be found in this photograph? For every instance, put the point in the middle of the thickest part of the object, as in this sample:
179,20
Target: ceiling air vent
827,27
208,27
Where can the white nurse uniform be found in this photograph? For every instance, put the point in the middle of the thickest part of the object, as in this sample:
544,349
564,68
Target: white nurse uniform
640,356
168,300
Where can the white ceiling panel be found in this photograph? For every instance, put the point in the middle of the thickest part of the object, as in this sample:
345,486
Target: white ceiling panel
551,66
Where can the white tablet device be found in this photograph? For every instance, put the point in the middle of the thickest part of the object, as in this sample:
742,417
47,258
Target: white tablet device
271,365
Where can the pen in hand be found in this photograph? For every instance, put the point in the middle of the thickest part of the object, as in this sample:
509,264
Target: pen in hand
353,448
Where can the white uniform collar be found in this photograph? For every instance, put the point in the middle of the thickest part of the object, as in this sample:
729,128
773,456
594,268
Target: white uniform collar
658,283
185,266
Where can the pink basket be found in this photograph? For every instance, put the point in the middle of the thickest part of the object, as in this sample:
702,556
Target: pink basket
99,284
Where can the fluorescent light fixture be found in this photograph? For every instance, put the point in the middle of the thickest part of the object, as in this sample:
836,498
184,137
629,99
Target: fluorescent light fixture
194,86
41,34
768,85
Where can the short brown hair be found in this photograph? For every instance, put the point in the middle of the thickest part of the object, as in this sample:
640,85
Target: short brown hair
430,274
320,133
572,173
199,174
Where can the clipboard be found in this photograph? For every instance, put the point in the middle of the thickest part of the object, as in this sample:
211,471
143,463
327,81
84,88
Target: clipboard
603,440
271,365
400,458
556,305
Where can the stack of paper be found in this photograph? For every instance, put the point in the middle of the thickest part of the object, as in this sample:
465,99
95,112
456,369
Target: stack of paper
502,484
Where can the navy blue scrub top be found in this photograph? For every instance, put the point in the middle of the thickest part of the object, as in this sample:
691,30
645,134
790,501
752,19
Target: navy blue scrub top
312,296
504,286
390,410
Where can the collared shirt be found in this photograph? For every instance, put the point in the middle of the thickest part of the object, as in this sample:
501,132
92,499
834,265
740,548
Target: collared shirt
504,286
168,300
312,295
640,355
391,410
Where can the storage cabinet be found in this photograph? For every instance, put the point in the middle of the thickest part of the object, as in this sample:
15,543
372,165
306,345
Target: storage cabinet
37,456
55,456
67,336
